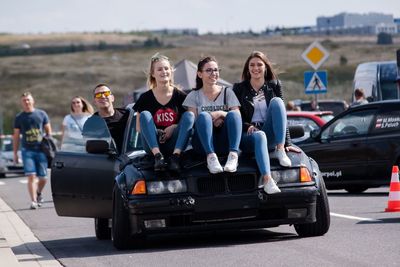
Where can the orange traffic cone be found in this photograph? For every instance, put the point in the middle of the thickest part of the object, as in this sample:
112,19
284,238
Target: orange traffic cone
394,193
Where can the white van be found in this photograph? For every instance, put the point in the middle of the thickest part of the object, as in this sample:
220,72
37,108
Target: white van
378,79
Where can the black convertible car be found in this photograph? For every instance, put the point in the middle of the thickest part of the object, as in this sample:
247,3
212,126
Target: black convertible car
130,201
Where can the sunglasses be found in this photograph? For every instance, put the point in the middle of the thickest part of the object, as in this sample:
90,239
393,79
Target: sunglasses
101,94
211,71
157,57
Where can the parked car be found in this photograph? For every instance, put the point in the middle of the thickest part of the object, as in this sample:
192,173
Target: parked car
309,120
335,105
124,191
7,157
357,149
378,79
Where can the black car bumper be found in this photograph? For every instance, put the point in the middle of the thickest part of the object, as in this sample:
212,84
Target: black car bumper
187,213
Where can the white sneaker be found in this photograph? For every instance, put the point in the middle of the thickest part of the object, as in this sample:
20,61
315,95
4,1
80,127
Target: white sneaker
232,162
213,164
34,205
270,187
40,199
280,154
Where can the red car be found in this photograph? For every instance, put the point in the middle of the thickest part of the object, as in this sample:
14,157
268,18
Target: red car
310,120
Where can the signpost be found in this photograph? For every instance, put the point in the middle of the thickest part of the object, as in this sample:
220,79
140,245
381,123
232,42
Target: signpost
315,82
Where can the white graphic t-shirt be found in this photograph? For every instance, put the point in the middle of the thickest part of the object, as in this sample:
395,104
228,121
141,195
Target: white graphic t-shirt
197,99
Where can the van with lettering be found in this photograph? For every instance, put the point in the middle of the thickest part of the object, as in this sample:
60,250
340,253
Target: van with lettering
378,79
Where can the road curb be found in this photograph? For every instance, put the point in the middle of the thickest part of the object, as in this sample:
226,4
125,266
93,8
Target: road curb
18,245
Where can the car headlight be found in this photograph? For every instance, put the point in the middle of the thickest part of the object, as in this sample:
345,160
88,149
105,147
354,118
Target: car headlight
294,175
166,187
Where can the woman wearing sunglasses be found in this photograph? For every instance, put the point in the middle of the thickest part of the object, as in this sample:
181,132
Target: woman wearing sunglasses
73,123
218,124
164,124
264,116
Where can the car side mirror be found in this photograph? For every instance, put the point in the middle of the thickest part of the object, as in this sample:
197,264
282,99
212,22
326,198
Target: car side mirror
296,131
97,146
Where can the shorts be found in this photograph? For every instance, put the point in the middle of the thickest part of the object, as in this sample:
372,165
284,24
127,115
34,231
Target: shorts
35,162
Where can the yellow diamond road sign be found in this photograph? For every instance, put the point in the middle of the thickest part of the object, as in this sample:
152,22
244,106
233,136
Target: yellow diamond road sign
315,55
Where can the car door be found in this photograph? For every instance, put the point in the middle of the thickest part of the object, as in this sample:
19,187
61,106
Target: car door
82,182
341,150
384,145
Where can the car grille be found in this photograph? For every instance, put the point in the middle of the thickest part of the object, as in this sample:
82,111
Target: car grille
226,183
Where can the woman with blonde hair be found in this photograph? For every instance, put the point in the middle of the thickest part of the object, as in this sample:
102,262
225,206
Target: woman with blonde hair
73,123
164,124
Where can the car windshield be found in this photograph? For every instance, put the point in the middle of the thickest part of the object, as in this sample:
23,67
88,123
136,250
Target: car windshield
327,117
95,128
134,141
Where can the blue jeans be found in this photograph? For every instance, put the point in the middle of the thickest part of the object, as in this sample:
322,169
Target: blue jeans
275,123
35,162
272,132
257,143
178,140
209,139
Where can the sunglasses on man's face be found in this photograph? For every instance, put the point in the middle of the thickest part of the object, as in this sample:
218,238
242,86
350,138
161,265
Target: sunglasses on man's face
101,94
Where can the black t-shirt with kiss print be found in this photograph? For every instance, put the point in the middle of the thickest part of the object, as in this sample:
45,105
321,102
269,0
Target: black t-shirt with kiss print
163,115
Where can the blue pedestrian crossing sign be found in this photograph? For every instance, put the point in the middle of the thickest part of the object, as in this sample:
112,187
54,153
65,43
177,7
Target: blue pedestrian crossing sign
315,82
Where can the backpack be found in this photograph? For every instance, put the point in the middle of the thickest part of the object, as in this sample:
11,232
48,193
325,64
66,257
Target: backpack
49,148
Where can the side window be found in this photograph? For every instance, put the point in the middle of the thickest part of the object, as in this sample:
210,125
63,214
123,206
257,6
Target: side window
352,125
95,128
386,122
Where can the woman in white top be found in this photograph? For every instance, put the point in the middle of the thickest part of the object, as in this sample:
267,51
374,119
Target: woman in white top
73,123
218,124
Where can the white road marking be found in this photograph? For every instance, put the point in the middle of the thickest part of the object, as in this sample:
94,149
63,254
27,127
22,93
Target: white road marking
2,183
353,217
24,181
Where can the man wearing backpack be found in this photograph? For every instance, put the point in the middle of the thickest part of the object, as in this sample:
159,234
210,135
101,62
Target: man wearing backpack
32,123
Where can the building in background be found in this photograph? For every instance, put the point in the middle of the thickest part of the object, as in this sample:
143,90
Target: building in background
352,23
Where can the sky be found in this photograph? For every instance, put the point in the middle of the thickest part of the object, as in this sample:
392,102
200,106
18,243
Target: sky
217,16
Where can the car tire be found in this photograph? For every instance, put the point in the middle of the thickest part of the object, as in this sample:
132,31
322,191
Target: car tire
323,219
356,189
2,175
103,231
120,221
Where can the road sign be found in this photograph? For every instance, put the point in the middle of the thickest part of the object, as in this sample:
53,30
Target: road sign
315,82
315,55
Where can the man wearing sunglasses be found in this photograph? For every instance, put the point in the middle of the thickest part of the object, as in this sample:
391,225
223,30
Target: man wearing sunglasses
116,118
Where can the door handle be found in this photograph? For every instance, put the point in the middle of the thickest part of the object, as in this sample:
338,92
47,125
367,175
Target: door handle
59,165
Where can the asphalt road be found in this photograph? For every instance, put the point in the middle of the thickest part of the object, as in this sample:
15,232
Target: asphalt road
361,234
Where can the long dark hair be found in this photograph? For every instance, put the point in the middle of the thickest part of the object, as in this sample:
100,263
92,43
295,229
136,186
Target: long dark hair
200,65
269,74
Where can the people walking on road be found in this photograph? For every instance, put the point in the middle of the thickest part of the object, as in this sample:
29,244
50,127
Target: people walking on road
218,124
264,116
115,118
359,97
163,122
72,124
32,124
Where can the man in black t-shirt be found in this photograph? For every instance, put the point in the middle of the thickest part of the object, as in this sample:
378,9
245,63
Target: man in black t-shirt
116,118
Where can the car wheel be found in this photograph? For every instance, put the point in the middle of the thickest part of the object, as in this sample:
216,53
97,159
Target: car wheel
356,189
321,226
103,231
2,175
121,231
